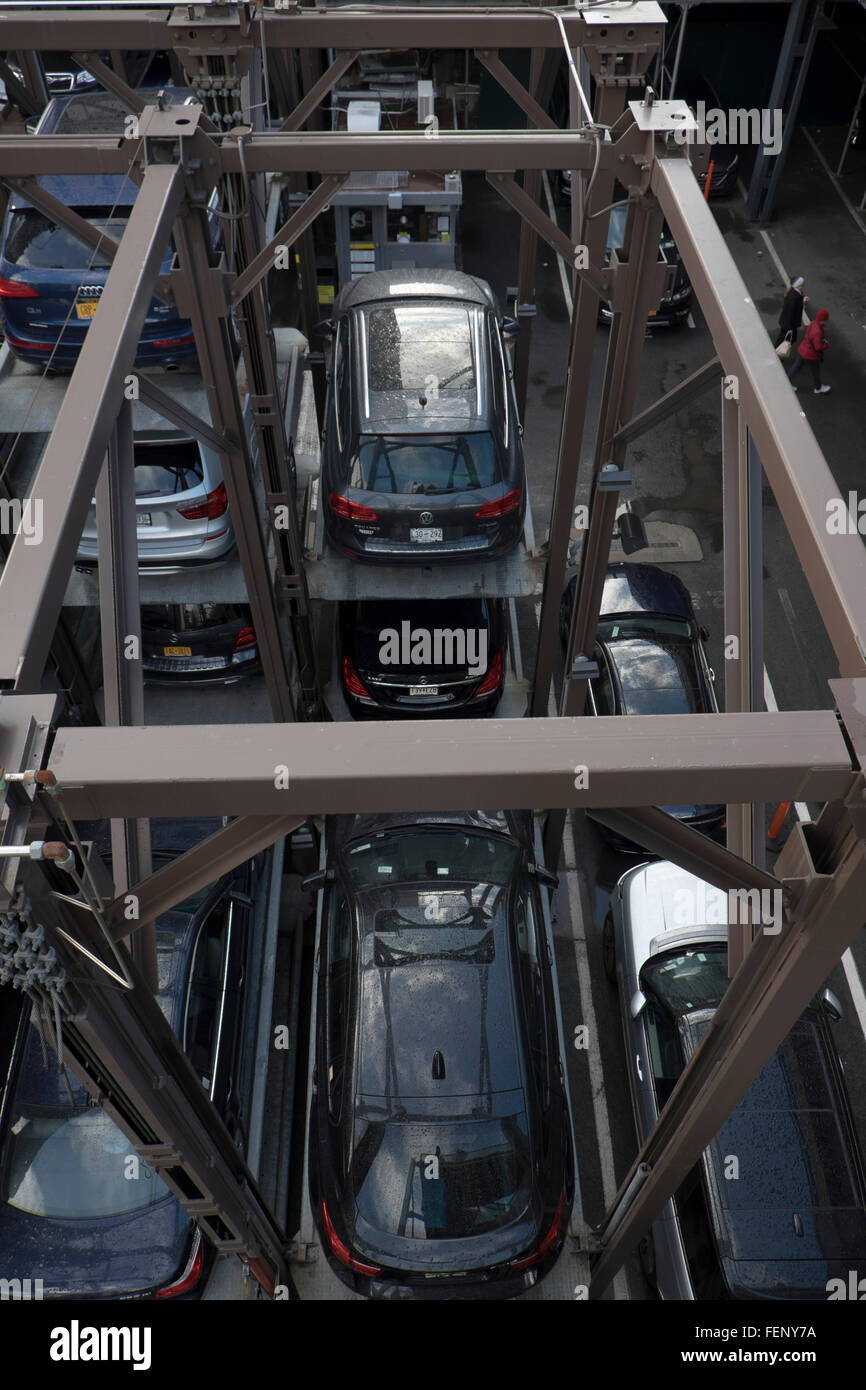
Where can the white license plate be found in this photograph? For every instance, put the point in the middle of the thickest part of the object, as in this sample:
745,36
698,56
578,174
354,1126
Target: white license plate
143,519
423,690
425,535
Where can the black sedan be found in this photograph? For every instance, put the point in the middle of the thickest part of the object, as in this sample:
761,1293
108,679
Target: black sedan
78,1207
651,660
421,657
198,643
441,1162
422,456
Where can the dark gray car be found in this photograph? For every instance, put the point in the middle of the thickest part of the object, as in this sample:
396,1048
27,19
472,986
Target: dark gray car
422,456
795,1218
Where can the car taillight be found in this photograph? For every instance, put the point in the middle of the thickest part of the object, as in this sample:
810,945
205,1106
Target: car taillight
501,506
245,638
352,681
16,289
190,1276
547,1244
213,506
342,1252
25,343
493,677
350,511
174,342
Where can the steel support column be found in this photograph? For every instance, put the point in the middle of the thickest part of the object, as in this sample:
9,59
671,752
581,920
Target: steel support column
743,643
120,615
203,292
34,579
609,104
637,292
789,80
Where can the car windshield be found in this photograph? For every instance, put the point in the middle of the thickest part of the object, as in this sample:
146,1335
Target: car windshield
163,469
65,1158
685,980
441,1182
423,463
36,243
443,856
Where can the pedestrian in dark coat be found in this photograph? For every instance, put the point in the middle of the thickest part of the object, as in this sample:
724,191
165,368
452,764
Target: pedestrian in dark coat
811,350
791,316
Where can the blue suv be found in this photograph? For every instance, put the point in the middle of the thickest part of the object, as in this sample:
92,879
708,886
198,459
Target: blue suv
51,283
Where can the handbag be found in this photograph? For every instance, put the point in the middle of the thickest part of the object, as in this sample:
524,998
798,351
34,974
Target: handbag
784,348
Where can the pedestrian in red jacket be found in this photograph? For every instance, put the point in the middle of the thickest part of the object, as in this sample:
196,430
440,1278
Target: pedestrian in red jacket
811,350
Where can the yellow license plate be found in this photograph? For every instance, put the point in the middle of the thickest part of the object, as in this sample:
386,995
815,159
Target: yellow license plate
86,308
177,651
652,313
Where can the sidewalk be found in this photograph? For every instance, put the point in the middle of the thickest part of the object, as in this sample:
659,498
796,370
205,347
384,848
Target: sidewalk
816,235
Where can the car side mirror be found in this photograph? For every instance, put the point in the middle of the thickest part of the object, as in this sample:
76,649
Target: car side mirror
510,328
830,1004
324,328
318,880
545,876
638,1004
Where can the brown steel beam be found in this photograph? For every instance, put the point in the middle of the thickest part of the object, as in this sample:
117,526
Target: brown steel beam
79,227
312,769
221,852
804,487
826,873
201,299
123,678
738,580
505,77
662,834
522,202
112,78
308,103
34,578
170,408
328,153
300,220
673,400
609,104
455,26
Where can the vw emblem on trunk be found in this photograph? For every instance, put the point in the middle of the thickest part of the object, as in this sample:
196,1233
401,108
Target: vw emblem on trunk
425,518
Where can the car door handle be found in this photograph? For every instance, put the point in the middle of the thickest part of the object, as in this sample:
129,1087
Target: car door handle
637,1064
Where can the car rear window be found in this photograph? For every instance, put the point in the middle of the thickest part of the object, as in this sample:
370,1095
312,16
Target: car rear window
36,243
657,677
192,617
441,1182
425,464
163,469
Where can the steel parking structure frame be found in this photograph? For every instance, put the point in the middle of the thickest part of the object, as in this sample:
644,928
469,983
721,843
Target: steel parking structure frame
121,1046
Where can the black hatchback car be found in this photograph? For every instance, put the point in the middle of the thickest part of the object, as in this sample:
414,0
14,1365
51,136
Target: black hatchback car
77,1207
651,660
422,455
415,658
441,1162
